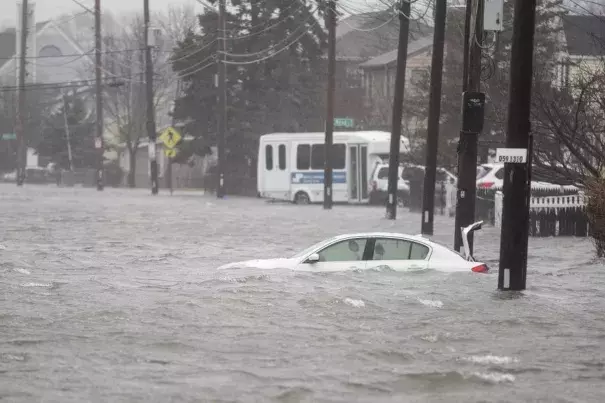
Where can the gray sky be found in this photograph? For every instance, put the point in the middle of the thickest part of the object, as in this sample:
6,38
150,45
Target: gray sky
46,9
52,8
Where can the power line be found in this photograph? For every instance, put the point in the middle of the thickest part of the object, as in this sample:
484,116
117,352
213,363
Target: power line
269,56
74,54
273,46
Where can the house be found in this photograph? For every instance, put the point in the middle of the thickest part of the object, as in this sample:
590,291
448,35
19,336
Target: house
190,175
360,38
59,56
379,79
583,40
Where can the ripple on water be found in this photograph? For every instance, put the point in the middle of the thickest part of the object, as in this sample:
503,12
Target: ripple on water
145,316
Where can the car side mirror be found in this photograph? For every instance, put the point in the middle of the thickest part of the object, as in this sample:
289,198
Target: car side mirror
314,258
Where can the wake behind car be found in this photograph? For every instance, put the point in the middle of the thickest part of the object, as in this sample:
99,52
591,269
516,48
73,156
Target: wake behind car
375,250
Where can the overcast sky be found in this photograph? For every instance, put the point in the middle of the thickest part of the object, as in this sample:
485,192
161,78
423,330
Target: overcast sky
46,9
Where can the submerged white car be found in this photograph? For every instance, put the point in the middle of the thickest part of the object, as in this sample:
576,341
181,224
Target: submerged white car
375,250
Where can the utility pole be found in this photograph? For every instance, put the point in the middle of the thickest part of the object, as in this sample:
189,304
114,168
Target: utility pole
473,102
402,55
428,200
151,132
67,136
99,97
329,139
468,15
222,101
512,272
20,129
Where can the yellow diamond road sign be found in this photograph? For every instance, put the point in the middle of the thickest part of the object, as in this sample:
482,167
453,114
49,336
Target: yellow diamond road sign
170,137
170,152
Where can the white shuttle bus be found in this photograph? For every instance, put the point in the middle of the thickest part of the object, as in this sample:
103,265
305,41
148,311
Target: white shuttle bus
291,165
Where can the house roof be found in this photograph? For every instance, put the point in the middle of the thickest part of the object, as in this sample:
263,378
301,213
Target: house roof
367,35
585,35
8,42
389,58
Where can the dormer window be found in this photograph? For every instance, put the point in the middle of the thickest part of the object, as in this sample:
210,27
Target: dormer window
50,51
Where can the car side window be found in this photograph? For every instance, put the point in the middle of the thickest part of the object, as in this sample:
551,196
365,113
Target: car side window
391,249
418,252
344,251
399,249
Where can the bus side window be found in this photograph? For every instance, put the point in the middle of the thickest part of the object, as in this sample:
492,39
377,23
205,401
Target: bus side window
269,157
281,152
317,156
303,156
339,156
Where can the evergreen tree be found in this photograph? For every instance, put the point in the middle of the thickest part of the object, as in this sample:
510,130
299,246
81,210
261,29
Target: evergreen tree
53,143
274,75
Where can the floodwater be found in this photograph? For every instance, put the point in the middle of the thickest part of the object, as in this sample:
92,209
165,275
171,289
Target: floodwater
115,297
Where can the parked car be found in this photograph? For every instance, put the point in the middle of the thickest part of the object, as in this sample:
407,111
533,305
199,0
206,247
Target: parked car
379,185
36,175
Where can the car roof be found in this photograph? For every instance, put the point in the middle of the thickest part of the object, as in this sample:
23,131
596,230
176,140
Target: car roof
418,238
492,165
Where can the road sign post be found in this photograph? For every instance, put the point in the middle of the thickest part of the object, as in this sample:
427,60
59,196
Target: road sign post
171,138
9,136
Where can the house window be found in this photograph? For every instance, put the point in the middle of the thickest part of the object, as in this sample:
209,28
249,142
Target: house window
50,51
354,76
418,76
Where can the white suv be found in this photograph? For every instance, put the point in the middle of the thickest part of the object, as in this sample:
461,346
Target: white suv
379,185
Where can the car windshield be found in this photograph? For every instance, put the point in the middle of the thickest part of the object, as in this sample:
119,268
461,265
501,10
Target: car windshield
312,248
383,173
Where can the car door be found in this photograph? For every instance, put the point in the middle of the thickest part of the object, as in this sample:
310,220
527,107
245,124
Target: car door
347,254
398,254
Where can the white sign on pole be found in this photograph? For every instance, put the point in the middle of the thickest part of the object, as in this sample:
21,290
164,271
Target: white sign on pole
511,155
493,15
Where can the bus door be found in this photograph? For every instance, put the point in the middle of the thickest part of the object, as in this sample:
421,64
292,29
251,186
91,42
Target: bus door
357,173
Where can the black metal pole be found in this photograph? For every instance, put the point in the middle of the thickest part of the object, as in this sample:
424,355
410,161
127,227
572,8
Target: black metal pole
151,131
428,199
20,126
329,138
222,103
99,98
515,211
402,55
467,146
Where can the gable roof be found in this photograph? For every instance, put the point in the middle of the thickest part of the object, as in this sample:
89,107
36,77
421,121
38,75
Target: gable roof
367,35
585,35
8,42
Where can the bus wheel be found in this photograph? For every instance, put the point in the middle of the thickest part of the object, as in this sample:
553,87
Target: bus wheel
302,198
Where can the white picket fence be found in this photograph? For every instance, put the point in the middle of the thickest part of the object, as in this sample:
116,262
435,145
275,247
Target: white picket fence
539,203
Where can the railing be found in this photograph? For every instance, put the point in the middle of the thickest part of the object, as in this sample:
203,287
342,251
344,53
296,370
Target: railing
552,215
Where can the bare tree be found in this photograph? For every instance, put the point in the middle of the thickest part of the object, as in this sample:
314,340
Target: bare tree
569,127
125,104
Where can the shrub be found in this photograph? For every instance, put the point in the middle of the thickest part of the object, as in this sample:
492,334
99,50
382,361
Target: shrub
595,208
